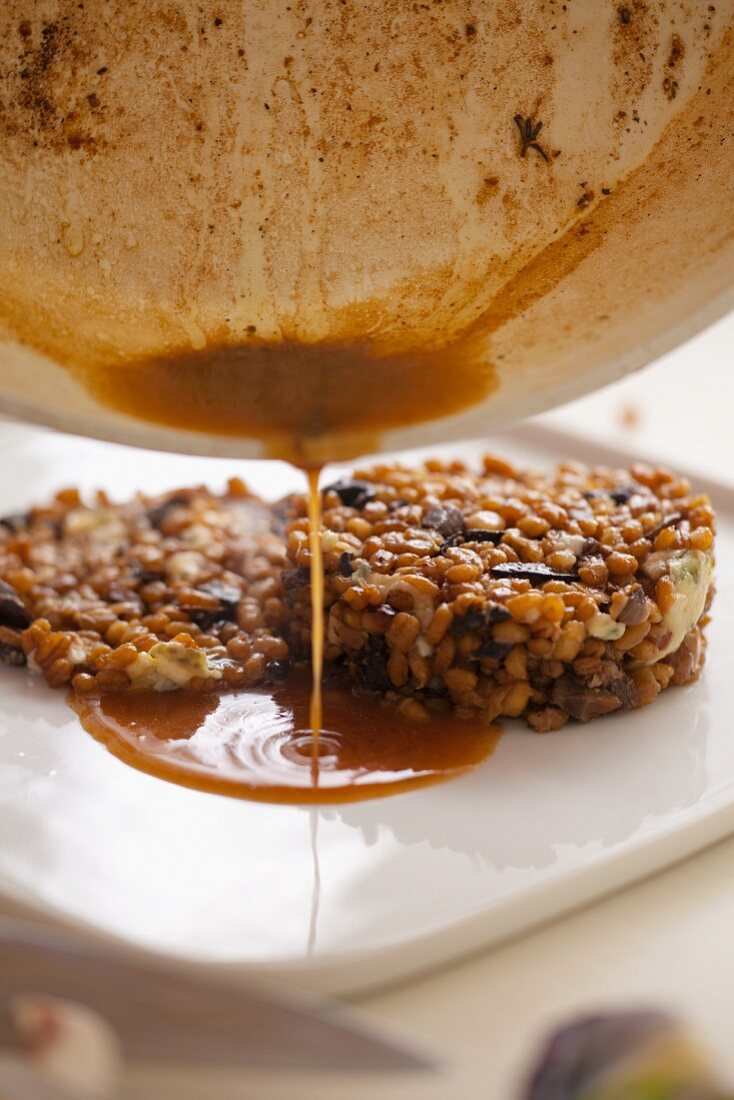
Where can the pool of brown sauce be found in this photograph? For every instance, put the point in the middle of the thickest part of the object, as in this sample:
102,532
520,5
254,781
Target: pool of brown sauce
259,744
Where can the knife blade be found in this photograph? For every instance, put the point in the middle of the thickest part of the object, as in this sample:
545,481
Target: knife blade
178,1013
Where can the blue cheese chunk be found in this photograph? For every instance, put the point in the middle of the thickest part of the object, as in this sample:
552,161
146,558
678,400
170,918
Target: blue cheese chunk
170,665
603,626
690,573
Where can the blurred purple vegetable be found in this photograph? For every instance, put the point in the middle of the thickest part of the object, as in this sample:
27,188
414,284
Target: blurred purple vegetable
594,1055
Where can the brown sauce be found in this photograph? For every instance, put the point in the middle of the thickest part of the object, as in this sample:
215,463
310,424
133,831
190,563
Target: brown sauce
309,404
259,745
316,711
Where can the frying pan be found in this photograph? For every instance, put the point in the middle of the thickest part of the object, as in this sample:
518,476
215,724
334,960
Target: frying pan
552,185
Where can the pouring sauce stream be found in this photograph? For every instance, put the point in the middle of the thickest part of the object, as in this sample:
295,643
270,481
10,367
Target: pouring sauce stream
316,716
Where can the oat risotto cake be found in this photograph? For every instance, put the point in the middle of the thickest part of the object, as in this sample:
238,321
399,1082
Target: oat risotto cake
499,592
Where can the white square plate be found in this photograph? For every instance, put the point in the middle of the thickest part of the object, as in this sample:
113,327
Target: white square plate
346,897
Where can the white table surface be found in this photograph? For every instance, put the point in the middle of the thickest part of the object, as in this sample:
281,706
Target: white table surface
667,941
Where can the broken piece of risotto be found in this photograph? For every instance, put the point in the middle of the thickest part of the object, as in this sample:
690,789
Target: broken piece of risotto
542,596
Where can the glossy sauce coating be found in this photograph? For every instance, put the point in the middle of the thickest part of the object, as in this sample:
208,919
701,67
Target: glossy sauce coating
258,745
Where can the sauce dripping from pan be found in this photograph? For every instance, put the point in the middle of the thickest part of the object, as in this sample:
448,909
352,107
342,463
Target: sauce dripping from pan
316,709
307,404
